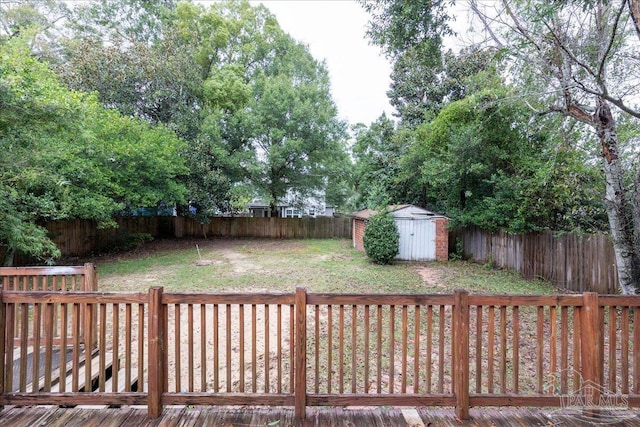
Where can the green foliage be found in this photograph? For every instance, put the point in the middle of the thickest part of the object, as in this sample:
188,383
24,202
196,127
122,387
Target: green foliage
253,104
381,238
483,164
458,252
125,242
65,157
397,25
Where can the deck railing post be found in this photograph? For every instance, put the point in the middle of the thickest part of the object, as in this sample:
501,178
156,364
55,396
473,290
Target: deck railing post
155,370
591,350
300,351
3,344
461,353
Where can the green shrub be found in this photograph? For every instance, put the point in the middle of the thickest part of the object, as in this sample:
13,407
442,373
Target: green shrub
126,241
381,238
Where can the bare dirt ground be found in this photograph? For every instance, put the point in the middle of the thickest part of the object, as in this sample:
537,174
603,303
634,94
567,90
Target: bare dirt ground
196,348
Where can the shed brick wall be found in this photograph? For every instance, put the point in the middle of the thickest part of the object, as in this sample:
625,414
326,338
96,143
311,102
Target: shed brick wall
358,233
442,239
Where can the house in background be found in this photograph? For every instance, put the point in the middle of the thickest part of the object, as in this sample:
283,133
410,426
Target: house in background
423,234
260,209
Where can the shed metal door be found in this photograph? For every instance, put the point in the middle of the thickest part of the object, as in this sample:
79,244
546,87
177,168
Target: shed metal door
417,239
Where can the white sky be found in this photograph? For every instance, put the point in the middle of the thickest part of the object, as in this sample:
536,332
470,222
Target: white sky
334,30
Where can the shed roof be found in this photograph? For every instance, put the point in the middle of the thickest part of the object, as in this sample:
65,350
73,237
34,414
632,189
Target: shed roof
412,211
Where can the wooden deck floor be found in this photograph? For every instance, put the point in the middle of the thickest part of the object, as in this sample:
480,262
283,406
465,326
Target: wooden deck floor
283,417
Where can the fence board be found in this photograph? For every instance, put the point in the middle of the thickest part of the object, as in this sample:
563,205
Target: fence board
576,263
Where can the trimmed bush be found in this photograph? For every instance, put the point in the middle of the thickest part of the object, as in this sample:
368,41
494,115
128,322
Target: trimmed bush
381,238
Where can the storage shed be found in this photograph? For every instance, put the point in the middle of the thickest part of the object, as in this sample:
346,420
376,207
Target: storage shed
423,234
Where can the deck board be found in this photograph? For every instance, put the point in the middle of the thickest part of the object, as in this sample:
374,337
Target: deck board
280,417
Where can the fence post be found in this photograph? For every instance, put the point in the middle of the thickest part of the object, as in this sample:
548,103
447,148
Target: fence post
300,351
155,370
591,350
461,353
3,343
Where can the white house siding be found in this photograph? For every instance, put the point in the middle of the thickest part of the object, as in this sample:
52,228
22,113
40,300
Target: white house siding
417,239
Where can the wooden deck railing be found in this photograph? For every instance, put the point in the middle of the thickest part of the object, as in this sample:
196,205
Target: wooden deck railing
305,349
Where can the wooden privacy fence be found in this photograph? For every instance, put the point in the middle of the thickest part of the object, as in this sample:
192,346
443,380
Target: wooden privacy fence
83,237
578,263
306,349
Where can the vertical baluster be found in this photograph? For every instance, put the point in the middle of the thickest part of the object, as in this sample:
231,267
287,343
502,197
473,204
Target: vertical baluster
141,334
416,351
405,334
203,347
329,346
441,355
564,349
479,326
503,349
379,350
392,348
516,349
491,347
115,359
190,343
279,346
624,340
540,347
553,353
341,349
366,347
354,322
102,348
228,345
429,347
267,355
216,349
35,377
613,333
177,342
128,351
241,328
254,364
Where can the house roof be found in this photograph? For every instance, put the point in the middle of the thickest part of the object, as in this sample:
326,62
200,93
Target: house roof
415,211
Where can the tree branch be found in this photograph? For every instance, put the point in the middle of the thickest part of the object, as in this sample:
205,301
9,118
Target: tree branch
484,19
615,101
609,46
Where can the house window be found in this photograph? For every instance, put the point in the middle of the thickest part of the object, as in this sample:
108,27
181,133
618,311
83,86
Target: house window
312,212
292,213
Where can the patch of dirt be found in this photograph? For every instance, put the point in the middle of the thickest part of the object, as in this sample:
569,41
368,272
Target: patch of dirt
240,262
430,276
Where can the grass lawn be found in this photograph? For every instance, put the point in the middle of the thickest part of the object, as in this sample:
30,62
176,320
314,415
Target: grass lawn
254,265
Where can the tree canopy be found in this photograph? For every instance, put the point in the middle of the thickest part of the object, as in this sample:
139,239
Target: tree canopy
65,156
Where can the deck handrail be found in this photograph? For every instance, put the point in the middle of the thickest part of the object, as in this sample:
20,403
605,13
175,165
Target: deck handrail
307,349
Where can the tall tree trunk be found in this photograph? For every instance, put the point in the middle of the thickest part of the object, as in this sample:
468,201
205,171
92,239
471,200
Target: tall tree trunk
636,225
9,257
618,209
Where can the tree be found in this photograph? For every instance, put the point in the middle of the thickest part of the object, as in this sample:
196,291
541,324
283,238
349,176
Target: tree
482,163
423,80
583,54
271,121
294,130
64,156
377,153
